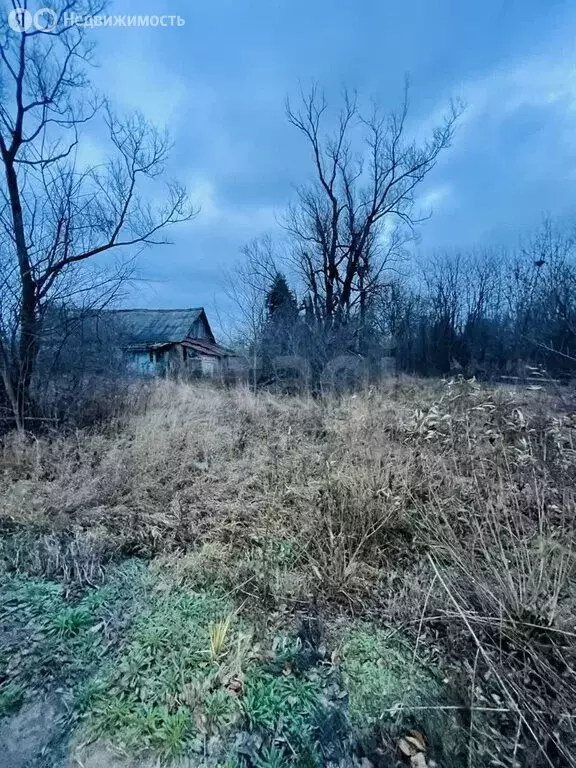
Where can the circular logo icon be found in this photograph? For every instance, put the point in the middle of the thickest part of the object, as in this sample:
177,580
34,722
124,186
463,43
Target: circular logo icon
20,20
45,20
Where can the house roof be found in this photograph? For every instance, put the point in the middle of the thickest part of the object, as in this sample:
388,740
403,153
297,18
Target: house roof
203,347
157,326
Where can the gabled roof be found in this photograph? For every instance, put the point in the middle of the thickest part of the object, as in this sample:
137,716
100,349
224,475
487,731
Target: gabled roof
157,326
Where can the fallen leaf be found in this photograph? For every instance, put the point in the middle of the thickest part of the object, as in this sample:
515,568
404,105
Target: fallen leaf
417,740
413,746
406,748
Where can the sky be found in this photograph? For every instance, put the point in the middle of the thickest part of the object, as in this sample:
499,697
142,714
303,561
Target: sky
219,84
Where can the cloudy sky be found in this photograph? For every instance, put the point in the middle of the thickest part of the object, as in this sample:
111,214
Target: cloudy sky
220,81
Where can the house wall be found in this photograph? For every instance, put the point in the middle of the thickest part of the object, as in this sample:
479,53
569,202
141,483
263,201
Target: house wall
176,360
152,362
209,366
139,363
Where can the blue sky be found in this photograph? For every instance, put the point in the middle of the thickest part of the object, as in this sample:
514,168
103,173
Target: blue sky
219,84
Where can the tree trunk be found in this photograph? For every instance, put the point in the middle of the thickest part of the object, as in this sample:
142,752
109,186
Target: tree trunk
28,337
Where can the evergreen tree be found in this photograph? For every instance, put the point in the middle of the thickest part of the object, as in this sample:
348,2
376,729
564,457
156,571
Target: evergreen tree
281,329
281,302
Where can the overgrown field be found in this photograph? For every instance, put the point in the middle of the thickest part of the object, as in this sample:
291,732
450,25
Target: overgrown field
226,579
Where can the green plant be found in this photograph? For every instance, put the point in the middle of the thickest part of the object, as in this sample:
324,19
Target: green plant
143,728
46,643
284,708
221,710
171,733
71,620
11,698
88,692
161,682
272,757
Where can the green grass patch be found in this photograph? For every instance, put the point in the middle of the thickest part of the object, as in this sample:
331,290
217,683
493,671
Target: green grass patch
48,642
392,691
165,694
285,710
291,701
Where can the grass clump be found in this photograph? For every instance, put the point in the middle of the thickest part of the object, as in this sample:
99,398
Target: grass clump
286,711
11,698
71,620
77,558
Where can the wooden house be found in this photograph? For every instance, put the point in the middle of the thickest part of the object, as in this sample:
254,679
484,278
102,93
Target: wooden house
169,341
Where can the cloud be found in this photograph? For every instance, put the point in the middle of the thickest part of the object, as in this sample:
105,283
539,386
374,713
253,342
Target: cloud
203,195
90,153
134,78
513,155
246,220
545,81
434,197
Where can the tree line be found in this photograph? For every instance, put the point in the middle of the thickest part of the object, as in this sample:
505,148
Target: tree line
496,314
491,313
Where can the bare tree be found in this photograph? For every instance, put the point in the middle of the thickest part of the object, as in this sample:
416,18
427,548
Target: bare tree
542,295
57,212
351,222
247,287
490,312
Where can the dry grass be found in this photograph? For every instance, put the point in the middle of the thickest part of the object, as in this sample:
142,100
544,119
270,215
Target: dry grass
444,508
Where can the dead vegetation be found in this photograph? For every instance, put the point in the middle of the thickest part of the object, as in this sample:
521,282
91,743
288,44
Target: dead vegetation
445,510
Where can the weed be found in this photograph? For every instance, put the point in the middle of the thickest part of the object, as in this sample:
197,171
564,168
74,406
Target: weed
221,711
286,709
218,632
169,733
11,698
70,620
272,757
141,728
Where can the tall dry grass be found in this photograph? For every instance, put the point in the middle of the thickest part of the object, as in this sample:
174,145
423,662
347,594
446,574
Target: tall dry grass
445,509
